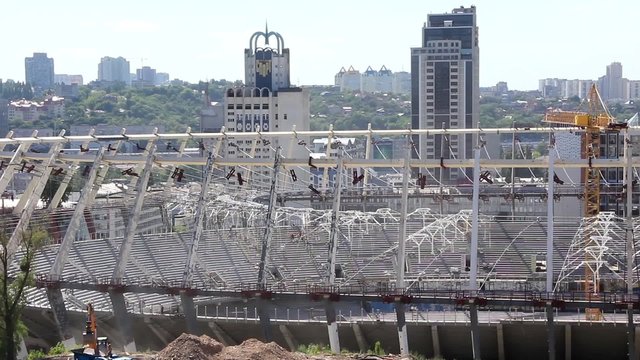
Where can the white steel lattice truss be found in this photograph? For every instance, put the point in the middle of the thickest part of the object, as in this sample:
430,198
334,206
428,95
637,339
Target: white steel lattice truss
598,247
230,207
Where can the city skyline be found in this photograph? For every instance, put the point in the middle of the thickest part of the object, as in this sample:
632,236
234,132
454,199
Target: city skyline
202,41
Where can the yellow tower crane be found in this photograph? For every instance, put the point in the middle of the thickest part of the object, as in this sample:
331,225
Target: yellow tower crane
596,120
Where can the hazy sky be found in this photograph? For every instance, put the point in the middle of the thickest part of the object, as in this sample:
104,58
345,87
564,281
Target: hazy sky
194,40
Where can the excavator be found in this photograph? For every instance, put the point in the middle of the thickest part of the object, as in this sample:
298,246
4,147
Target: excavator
94,347
595,121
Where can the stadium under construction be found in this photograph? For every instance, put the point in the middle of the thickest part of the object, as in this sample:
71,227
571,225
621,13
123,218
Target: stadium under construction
301,248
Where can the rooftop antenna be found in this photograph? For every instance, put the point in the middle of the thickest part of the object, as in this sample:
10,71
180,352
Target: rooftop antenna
266,33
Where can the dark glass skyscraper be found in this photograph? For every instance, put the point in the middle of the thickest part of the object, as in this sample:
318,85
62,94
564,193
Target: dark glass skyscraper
445,85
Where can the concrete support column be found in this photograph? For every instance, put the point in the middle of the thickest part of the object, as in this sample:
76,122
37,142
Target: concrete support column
161,333
363,344
631,335
222,335
288,337
551,329
500,335
123,321
475,330
435,339
265,319
403,338
637,338
190,315
60,315
567,342
332,328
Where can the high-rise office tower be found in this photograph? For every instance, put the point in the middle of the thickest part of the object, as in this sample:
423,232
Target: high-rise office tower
445,86
267,102
39,71
612,85
114,70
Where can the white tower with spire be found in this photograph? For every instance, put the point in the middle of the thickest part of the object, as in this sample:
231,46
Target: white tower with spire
266,66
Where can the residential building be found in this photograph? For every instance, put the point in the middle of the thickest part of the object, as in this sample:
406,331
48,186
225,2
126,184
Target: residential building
401,83
27,110
114,70
162,78
376,81
348,80
266,102
445,86
575,87
145,77
612,85
39,72
68,79
373,81
634,89
551,87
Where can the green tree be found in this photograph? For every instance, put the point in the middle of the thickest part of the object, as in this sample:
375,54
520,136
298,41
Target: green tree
13,283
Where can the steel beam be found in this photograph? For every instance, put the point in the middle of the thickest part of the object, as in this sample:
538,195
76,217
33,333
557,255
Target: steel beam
170,179
196,159
25,215
269,223
198,225
325,175
550,215
12,166
403,338
86,198
475,209
332,326
630,248
367,156
71,170
127,243
333,232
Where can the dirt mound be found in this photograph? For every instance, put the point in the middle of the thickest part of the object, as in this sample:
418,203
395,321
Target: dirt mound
253,349
191,347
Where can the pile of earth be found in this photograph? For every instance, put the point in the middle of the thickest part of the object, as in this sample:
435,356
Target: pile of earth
191,347
205,348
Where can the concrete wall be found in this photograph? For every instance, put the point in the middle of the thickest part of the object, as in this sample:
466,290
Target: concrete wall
521,340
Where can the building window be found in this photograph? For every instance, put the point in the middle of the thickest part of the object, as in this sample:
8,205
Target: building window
247,106
454,83
454,69
265,106
285,116
230,106
256,106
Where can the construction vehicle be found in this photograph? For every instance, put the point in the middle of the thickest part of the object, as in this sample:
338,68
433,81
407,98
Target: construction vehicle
595,121
94,347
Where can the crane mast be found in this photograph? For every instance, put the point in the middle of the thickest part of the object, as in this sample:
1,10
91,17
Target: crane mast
595,121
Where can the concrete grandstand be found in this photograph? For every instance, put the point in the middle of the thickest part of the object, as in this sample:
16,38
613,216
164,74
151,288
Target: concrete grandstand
208,250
